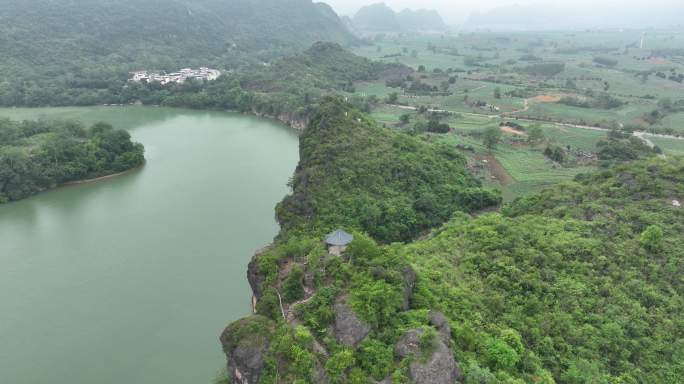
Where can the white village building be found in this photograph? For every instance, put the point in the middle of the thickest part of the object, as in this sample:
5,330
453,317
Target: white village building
179,77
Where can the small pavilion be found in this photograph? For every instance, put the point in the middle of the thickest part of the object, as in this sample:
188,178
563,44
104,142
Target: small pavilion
338,241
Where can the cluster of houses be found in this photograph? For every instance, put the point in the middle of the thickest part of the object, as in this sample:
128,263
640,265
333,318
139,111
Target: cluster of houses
176,77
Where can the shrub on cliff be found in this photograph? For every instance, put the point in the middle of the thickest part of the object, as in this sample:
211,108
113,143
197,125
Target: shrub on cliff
293,286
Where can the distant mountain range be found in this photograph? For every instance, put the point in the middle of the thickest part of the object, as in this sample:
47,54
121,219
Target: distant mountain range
546,17
381,18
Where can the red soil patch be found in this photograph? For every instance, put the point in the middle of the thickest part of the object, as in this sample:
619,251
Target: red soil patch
512,131
658,61
547,98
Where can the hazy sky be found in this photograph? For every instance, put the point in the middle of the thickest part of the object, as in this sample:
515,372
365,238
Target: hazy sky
455,11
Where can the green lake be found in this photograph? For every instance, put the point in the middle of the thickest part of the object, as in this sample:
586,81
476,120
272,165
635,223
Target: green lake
131,280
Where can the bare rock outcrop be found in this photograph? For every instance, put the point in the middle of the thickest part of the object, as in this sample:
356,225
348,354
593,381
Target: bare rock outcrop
439,367
439,321
409,344
294,121
409,276
245,343
245,364
256,281
349,329
320,376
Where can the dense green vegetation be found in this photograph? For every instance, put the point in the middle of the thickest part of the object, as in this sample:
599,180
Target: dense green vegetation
288,89
324,66
357,174
601,101
80,52
578,284
585,273
619,148
575,285
38,155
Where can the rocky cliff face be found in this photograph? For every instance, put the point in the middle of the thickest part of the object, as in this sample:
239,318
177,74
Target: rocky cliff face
349,330
433,363
245,343
409,276
256,281
290,119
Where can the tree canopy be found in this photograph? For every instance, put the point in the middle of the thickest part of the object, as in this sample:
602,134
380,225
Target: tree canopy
355,173
577,284
37,155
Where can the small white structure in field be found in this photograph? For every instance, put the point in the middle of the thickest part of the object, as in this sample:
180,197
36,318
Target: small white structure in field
676,203
338,241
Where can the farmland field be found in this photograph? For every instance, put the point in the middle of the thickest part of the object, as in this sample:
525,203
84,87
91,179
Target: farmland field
532,80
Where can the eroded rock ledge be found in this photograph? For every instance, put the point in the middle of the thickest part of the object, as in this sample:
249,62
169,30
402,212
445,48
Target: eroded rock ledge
349,329
246,342
433,363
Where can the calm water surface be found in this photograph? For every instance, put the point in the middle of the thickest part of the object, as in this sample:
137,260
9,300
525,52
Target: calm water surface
132,279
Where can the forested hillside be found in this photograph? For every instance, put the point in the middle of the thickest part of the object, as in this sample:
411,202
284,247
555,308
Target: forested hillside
81,48
579,284
38,155
357,174
324,66
287,90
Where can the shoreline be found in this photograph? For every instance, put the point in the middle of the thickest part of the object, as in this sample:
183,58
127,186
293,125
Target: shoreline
101,178
76,183
298,124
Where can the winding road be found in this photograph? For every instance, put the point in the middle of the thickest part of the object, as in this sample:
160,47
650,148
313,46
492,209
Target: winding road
640,134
